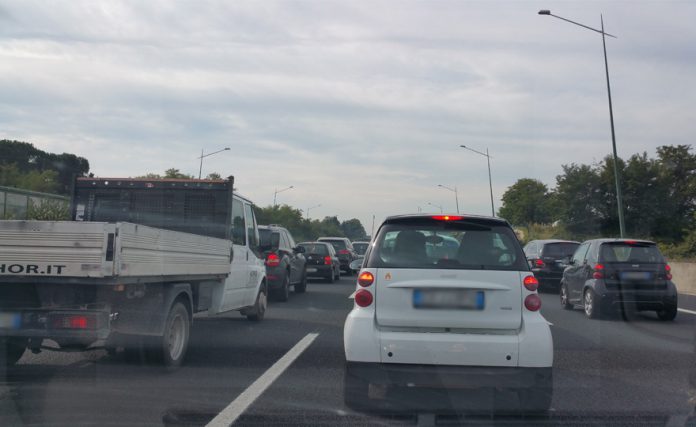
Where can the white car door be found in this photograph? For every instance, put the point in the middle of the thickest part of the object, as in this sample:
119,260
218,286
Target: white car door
233,294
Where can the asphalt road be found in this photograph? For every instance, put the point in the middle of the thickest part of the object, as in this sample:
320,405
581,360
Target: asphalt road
606,372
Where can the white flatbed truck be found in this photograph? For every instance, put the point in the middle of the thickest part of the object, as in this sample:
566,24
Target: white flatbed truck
139,258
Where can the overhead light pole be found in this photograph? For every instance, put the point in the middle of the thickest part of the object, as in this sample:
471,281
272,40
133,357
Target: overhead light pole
617,174
200,167
275,193
490,180
308,209
454,190
437,206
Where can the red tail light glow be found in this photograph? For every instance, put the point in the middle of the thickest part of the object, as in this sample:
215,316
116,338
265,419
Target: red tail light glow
539,263
599,272
447,217
366,279
327,260
344,252
668,272
363,298
272,260
532,302
531,283
73,321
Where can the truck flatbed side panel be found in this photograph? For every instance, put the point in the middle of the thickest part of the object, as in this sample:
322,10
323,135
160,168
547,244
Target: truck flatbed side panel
55,248
148,251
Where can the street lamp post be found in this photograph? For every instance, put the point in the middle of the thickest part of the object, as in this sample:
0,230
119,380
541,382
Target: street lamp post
200,167
280,191
437,206
617,176
456,196
308,209
490,181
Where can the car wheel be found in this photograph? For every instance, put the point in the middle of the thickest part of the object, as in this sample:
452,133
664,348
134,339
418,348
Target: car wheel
355,392
258,311
170,348
283,293
332,277
668,313
11,350
590,304
537,400
301,287
338,273
565,301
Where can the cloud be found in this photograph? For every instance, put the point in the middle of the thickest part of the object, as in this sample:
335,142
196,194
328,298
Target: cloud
361,106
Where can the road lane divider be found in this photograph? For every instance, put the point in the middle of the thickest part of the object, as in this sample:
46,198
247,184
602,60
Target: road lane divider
229,415
683,310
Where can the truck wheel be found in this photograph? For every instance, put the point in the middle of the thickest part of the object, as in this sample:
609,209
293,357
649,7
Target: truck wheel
535,401
11,350
301,287
283,294
258,311
170,348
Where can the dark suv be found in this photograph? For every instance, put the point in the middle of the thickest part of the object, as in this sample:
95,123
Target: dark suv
619,274
285,266
344,250
546,258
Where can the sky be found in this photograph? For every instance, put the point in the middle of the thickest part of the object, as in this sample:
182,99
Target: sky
361,106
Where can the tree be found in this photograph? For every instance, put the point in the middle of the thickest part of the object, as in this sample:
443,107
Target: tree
175,173
213,175
527,201
28,160
578,191
353,229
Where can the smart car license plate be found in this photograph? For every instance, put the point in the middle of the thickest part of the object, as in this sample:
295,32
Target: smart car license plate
635,275
311,270
448,299
10,320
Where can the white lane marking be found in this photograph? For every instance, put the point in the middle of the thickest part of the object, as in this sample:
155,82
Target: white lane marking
230,414
683,310
352,296
550,324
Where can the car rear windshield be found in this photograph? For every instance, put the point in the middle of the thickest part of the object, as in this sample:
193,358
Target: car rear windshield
447,245
559,250
630,252
337,244
315,249
360,248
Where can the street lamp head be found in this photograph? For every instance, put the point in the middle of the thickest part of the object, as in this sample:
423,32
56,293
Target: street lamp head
544,12
227,148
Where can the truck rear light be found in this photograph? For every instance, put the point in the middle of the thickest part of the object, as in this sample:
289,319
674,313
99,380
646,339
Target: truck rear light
532,302
531,283
73,321
327,260
273,260
668,272
363,298
539,263
366,279
598,272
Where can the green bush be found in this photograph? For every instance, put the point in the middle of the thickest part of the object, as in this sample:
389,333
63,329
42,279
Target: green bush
48,210
685,250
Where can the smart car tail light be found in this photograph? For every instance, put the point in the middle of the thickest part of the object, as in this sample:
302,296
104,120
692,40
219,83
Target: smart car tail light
366,279
531,283
539,263
447,217
668,272
532,302
272,260
363,298
598,272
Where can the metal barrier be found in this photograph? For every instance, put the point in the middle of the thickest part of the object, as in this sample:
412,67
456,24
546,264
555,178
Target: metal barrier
20,204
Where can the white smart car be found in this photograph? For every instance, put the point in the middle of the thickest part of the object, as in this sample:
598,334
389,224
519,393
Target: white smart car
446,318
